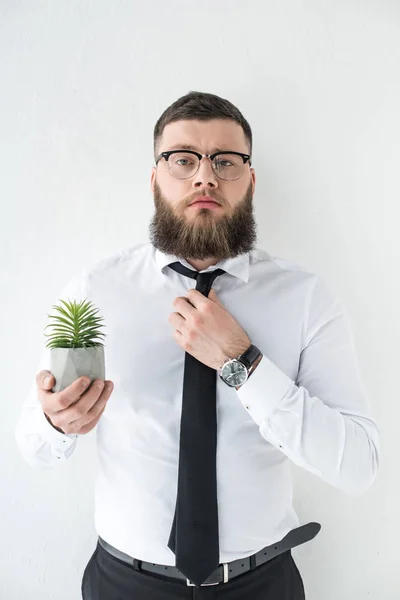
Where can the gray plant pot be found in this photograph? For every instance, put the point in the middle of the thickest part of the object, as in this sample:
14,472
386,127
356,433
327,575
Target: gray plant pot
68,364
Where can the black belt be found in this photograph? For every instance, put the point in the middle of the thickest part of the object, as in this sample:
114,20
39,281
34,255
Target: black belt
225,571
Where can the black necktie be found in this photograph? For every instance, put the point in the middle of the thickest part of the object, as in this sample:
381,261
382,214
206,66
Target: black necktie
194,535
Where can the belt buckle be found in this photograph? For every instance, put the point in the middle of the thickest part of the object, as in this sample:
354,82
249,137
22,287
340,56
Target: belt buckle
225,568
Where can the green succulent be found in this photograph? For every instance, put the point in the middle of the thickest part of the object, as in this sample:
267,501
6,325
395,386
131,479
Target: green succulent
76,326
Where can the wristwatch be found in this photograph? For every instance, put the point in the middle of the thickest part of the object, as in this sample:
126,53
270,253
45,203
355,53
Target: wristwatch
236,371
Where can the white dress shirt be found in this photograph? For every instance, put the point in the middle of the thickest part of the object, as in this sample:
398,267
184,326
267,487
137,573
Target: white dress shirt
305,402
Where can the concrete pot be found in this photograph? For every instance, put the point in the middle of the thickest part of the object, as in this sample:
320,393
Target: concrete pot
68,364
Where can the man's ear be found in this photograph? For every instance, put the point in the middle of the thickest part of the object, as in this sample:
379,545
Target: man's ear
152,178
253,179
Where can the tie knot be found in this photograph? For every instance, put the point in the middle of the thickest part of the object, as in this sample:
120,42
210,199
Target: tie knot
204,281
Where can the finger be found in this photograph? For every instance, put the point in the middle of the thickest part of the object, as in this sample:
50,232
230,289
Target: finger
45,380
82,412
72,393
89,426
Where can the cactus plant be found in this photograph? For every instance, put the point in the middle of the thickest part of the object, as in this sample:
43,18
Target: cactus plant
75,345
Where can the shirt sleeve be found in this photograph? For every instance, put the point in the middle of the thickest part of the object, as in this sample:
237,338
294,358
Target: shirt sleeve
322,421
39,443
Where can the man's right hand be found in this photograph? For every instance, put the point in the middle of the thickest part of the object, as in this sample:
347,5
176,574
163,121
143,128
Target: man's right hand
77,408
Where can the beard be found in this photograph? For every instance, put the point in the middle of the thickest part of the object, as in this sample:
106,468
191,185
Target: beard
205,234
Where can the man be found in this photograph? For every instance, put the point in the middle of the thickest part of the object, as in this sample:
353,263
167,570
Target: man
266,354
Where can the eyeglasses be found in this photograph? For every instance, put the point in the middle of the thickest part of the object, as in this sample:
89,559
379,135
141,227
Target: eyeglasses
183,164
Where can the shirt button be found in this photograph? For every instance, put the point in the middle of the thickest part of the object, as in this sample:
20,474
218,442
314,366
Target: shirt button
247,406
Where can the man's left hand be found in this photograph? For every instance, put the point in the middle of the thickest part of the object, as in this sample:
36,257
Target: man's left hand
206,330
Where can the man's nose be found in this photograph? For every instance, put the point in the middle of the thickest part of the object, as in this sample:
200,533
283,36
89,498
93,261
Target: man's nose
205,175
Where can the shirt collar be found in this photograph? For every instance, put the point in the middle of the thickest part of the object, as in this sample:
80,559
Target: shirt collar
237,266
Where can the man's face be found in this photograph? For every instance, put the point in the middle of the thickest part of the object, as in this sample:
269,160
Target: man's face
190,231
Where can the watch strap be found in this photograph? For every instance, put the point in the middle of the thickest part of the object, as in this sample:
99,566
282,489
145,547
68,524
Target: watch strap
250,356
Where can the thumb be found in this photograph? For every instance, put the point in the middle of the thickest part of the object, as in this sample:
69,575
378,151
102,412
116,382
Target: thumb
47,380
213,296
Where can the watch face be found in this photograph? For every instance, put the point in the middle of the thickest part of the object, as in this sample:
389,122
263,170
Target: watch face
234,373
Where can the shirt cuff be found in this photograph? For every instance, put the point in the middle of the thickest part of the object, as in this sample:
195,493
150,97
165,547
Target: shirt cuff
61,443
264,390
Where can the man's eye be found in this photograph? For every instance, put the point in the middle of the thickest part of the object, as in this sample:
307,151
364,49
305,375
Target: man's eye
183,162
223,163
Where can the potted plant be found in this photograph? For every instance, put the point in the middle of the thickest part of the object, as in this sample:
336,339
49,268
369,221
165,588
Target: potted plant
74,347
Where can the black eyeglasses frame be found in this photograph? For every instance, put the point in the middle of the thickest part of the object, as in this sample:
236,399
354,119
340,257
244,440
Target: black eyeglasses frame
167,154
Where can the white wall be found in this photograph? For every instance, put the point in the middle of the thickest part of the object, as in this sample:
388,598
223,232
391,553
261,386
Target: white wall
82,85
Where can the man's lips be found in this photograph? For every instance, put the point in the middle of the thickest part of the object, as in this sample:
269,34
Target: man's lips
204,199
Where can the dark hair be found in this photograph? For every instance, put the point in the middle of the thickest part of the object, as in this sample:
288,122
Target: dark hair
202,106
